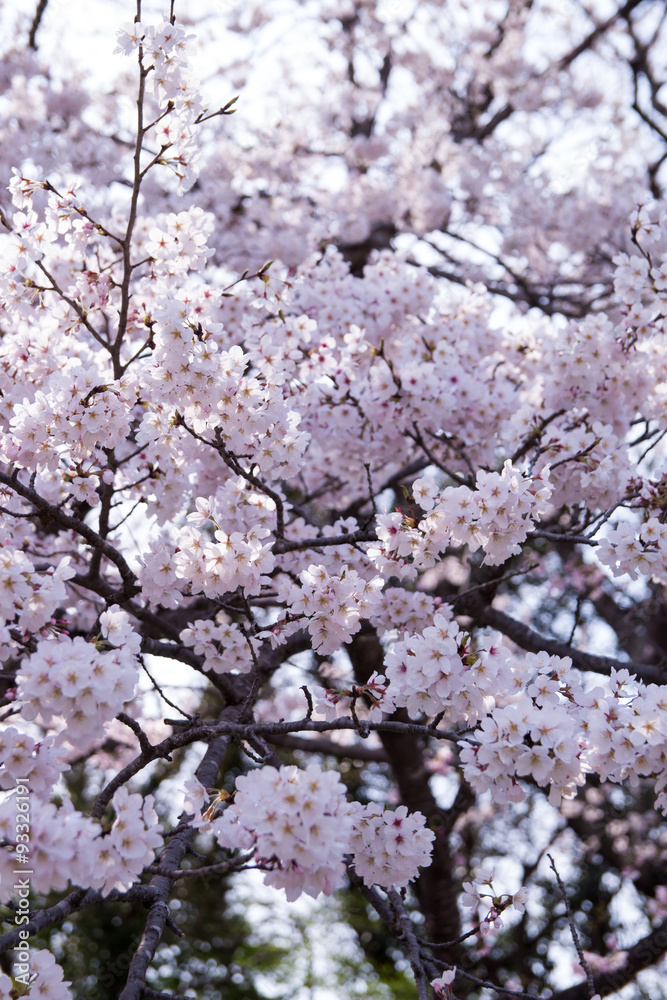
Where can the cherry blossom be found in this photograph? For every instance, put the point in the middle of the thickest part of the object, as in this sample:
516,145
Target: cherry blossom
332,427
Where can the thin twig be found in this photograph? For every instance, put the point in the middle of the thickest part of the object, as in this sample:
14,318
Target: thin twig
161,692
573,930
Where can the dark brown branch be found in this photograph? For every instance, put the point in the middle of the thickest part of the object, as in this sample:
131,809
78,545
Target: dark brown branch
330,749
529,639
77,900
36,21
159,913
597,32
222,868
411,943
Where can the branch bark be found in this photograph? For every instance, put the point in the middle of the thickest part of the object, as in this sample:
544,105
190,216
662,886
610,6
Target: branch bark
159,913
530,640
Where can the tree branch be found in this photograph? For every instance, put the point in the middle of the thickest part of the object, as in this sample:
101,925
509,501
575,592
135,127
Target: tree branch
529,639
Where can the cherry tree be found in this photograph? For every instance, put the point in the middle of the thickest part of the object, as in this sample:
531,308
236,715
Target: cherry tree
332,483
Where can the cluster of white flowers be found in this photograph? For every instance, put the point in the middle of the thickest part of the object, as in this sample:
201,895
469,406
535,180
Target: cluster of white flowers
389,845
238,503
239,559
66,846
165,52
78,408
178,243
625,549
334,558
79,681
31,595
46,979
497,516
403,610
332,605
215,396
426,671
298,821
131,843
222,644
63,846
553,729
534,716
160,585
21,757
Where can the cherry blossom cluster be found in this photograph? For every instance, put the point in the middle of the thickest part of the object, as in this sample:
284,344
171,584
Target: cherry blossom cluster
404,610
76,410
51,236
63,846
217,567
640,280
160,584
534,716
224,646
44,980
21,757
335,558
214,396
557,731
27,596
299,825
426,672
66,846
298,822
165,573
332,605
178,243
131,843
80,682
164,47
390,846
626,550
497,516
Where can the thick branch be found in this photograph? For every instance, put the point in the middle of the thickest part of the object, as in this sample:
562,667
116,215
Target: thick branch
170,861
36,21
77,900
358,751
529,639
437,889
